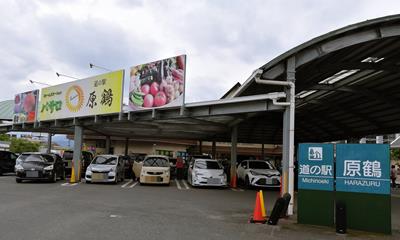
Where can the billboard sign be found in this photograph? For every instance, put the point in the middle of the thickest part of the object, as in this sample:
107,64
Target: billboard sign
315,166
25,105
157,84
363,168
96,95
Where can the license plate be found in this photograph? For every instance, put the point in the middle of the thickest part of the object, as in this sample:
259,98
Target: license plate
32,174
154,179
98,176
269,181
213,180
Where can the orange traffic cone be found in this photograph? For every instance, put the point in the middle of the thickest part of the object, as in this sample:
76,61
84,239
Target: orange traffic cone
233,182
258,215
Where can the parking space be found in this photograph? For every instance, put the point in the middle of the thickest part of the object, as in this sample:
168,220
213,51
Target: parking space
129,210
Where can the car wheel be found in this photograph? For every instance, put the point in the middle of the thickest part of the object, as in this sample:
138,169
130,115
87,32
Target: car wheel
247,182
54,177
18,180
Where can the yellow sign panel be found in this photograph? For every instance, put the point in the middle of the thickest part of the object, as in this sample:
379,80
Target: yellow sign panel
97,95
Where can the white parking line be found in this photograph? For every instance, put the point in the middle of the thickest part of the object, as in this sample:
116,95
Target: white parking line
237,189
131,186
69,184
186,185
178,184
126,184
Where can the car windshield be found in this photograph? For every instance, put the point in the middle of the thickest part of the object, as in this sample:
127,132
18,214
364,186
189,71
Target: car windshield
107,160
200,164
156,162
31,158
259,165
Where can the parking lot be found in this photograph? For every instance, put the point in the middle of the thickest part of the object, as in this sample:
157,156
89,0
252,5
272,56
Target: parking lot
131,211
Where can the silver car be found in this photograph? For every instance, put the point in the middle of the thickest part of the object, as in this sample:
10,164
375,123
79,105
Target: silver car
206,172
105,168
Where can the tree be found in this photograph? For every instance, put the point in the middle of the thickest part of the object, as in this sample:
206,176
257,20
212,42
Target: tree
395,154
4,137
22,145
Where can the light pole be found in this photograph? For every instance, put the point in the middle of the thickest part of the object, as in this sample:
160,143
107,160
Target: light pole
33,82
91,65
63,75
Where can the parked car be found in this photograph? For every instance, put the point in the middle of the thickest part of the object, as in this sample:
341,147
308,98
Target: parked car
155,170
258,173
39,166
7,162
206,172
105,168
68,155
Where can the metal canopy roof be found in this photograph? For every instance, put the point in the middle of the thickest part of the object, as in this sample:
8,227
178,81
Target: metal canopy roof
210,120
347,82
346,86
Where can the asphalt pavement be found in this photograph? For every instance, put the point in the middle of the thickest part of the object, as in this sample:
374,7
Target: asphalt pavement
131,211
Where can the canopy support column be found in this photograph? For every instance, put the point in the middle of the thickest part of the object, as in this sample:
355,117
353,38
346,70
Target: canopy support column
78,139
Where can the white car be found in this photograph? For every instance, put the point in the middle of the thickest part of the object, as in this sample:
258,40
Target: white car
105,168
258,173
155,170
206,172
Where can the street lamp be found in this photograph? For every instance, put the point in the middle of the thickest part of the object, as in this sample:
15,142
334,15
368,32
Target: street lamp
91,65
63,75
31,81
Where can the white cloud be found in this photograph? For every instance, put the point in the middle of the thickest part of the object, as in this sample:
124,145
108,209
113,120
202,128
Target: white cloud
224,40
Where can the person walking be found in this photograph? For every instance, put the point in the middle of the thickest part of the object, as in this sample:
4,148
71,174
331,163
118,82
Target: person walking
393,176
179,168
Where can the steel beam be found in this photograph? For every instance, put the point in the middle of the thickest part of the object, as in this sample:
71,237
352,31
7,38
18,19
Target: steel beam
78,139
49,138
234,135
108,144
214,150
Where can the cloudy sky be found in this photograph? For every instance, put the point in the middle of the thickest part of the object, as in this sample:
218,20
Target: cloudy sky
224,40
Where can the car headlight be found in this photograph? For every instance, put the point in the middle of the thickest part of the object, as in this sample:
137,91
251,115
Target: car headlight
112,169
89,169
255,173
18,168
49,168
166,172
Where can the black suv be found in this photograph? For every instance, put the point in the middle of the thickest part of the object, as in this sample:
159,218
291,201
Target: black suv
7,162
39,166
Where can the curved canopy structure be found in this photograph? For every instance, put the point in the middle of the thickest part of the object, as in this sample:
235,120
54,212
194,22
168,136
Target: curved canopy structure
347,84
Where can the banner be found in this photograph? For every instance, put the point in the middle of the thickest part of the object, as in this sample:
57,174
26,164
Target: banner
96,95
25,105
363,168
157,84
316,166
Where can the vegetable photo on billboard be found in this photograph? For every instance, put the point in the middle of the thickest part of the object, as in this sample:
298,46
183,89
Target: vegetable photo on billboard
25,106
158,84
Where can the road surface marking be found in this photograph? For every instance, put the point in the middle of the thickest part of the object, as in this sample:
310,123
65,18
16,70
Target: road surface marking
178,184
126,184
134,184
237,189
186,186
69,184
